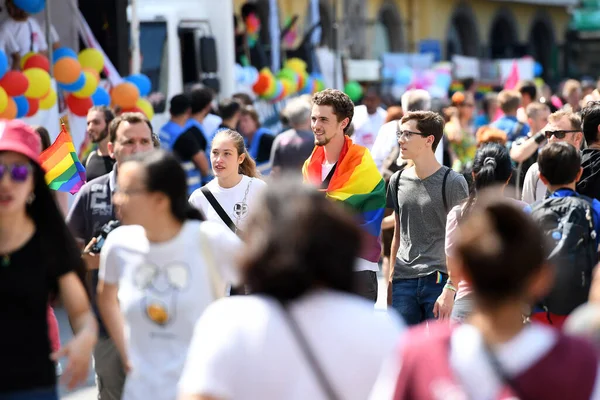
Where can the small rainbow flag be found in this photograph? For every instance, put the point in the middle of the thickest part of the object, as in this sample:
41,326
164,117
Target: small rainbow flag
64,172
358,184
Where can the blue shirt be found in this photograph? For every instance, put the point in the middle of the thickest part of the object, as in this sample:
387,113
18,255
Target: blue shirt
481,120
508,124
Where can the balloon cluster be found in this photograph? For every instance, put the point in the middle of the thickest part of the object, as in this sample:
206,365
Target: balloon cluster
436,80
291,79
22,94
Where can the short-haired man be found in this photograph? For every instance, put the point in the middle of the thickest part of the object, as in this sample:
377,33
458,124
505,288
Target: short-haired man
589,184
99,162
129,133
346,173
528,91
368,118
510,101
230,111
421,197
563,126
292,147
572,94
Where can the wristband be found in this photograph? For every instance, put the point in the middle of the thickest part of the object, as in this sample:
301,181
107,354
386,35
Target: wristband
449,287
539,138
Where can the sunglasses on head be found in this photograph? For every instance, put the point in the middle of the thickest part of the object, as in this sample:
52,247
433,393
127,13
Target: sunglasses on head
17,172
559,134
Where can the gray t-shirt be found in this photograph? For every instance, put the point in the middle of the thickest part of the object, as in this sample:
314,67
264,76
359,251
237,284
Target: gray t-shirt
423,220
291,148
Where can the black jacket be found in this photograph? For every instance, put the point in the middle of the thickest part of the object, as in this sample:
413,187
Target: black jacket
589,184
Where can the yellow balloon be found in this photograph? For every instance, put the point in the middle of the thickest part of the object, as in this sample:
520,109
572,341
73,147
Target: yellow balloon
91,58
146,108
49,101
3,99
297,65
25,57
89,88
39,83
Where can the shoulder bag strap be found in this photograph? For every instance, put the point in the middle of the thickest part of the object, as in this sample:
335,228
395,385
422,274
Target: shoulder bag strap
217,285
504,377
31,35
444,199
325,183
217,207
309,355
395,185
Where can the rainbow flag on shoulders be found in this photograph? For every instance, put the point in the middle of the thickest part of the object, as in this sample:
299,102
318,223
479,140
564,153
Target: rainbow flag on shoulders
64,172
358,184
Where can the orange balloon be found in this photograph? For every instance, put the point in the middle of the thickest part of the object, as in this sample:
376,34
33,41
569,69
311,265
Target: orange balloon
10,112
92,71
67,70
125,95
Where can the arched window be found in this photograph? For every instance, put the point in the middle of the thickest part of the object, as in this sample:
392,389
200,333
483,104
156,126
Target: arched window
387,31
463,34
503,35
541,43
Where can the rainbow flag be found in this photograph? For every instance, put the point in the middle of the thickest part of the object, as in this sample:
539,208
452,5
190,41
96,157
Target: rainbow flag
64,172
86,148
358,184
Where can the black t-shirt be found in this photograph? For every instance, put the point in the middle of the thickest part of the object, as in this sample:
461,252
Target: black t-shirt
97,165
25,285
264,148
189,143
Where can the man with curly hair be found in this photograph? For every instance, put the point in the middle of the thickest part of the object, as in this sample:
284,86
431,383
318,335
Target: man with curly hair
347,173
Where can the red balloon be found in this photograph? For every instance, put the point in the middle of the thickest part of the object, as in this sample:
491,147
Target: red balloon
37,61
34,106
79,107
261,85
15,83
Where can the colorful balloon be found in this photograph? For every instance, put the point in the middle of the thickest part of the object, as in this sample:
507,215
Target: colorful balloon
353,90
3,99
142,82
30,6
79,107
261,85
15,83
73,87
10,112
37,61
22,106
125,95
63,52
49,100
67,70
101,97
3,63
296,64
39,83
91,58
92,71
26,57
89,88
34,106
146,107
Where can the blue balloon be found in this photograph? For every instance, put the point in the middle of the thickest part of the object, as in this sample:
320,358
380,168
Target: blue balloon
278,89
387,73
30,6
3,64
538,70
101,97
443,81
142,82
403,76
63,52
75,86
22,106
308,86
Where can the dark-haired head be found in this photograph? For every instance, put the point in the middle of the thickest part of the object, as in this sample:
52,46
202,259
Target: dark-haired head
559,164
44,136
502,255
159,182
590,117
298,240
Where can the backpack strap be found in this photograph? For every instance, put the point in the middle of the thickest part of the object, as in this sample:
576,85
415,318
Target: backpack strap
444,199
217,207
395,185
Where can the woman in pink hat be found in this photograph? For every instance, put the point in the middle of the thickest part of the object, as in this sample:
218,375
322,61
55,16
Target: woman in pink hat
39,260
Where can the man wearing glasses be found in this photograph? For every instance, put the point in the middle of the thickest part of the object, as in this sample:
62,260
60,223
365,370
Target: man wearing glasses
563,126
421,197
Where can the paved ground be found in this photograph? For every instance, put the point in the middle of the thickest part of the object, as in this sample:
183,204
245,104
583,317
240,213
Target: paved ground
88,391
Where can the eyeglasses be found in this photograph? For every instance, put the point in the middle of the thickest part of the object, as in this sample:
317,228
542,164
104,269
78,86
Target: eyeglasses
559,134
17,172
408,134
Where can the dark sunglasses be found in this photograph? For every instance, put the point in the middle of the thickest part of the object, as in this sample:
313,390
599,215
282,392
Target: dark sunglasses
559,134
18,172
408,134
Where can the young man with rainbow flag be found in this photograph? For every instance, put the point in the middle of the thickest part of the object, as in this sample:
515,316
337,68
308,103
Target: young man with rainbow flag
347,173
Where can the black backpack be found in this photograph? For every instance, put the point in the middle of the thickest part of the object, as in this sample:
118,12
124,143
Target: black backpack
568,225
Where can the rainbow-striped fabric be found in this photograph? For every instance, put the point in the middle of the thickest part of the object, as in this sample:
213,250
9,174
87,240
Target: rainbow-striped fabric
64,172
357,183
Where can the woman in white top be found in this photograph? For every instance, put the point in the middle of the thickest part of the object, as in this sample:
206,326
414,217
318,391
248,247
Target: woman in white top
298,264
157,273
236,185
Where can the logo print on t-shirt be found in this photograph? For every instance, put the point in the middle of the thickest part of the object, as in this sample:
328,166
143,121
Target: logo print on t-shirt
161,287
240,210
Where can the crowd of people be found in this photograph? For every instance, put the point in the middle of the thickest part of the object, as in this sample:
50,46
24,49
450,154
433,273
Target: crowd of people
216,259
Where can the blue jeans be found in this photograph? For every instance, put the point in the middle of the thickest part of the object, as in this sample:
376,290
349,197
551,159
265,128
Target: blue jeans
414,298
32,394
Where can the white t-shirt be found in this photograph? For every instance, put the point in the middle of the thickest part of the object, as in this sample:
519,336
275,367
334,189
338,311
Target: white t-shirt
163,290
243,348
471,365
54,38
23,33
533,187
366,126
8,45
231,200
